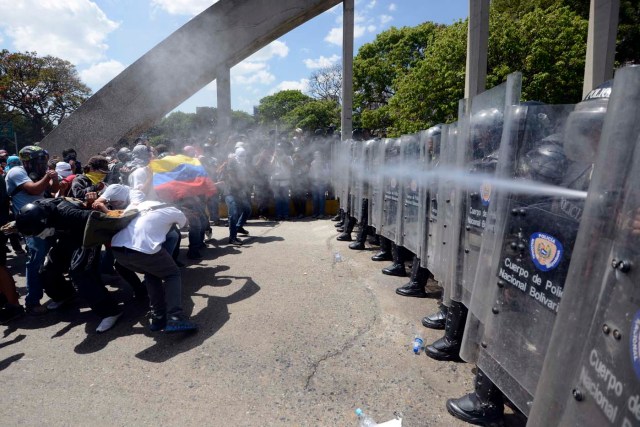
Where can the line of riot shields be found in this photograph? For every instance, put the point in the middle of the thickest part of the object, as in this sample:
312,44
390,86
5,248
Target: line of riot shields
527,215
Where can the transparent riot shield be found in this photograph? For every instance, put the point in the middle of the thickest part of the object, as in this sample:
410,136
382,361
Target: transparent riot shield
431,235
591,376
480,141
525,252
376,182
411,224
356,178
450,209
368,150
391,176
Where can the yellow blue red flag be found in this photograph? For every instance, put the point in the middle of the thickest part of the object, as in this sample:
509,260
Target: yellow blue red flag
179,176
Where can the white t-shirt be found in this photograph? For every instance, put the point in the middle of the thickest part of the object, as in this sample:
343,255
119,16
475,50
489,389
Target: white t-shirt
148,231
139,178
16,177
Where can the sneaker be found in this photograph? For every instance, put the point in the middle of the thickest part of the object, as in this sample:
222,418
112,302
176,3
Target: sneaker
54,305
107,323
177,323
241,230
36,310
235,241
158,322
10,312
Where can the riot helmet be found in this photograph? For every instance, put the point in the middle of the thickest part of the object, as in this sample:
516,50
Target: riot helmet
32,219
124,155
584,125
485,131
34,159
392,147
546,162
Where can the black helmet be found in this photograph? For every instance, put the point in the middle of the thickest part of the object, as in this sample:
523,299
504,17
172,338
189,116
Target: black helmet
124,154
32,219
547,162
485,131
584,124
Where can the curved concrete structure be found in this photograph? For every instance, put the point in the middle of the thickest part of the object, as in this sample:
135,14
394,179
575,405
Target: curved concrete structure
179,66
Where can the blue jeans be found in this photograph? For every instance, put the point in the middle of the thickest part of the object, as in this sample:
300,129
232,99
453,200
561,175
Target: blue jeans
239,211
318,197
213,205
37,249
281,194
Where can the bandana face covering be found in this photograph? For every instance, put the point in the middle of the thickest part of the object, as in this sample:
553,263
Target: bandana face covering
95,177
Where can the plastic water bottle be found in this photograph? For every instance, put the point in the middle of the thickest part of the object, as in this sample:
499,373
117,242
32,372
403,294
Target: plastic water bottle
417,344
364,420
337,257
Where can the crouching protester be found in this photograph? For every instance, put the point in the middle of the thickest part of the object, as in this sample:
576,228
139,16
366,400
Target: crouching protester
64,221
140,247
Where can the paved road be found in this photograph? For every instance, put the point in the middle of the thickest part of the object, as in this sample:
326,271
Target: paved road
288,337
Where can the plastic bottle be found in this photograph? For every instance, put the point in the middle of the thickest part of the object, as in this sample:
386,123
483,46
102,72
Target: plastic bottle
337,257
364,420
417,344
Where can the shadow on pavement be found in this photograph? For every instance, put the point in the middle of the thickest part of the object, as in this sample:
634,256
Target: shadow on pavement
4,364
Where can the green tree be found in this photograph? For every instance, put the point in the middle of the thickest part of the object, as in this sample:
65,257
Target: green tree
274,107
316,114
379,64
43,90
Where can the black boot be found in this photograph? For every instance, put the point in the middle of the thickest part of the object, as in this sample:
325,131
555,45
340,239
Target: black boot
484,406
417,285
448,347
385,251
436,320
337,216
397,268
357,245
347,229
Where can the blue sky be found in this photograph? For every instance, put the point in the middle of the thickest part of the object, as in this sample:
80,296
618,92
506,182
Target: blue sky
102,37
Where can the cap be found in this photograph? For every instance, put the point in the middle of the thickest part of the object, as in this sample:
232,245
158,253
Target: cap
99,163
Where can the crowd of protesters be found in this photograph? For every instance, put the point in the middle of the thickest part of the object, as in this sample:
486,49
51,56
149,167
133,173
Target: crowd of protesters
62,209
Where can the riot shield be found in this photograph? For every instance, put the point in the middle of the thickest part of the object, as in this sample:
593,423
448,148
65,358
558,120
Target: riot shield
481,136
343,173
411,224
366,163
591,376
391,176
450,209
376,180
431,235
525,252
356,177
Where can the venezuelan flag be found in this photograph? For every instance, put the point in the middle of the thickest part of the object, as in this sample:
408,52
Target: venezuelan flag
177,177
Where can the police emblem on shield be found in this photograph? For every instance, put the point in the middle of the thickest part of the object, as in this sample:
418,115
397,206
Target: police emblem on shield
546,251
485,193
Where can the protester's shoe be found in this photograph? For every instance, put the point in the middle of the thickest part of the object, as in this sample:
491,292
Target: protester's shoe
356,246
382,256
241,230
54,305
107,323
157,322
194,254
235,241
36,310
395,270
10,312
178,323
344,237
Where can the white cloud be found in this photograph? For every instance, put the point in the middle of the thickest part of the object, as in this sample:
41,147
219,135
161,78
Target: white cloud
321,62
263,77
74,30
334,36
273,49
301,85
371,4
101,73
183,7
358,31
372,28
392,7
385,19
